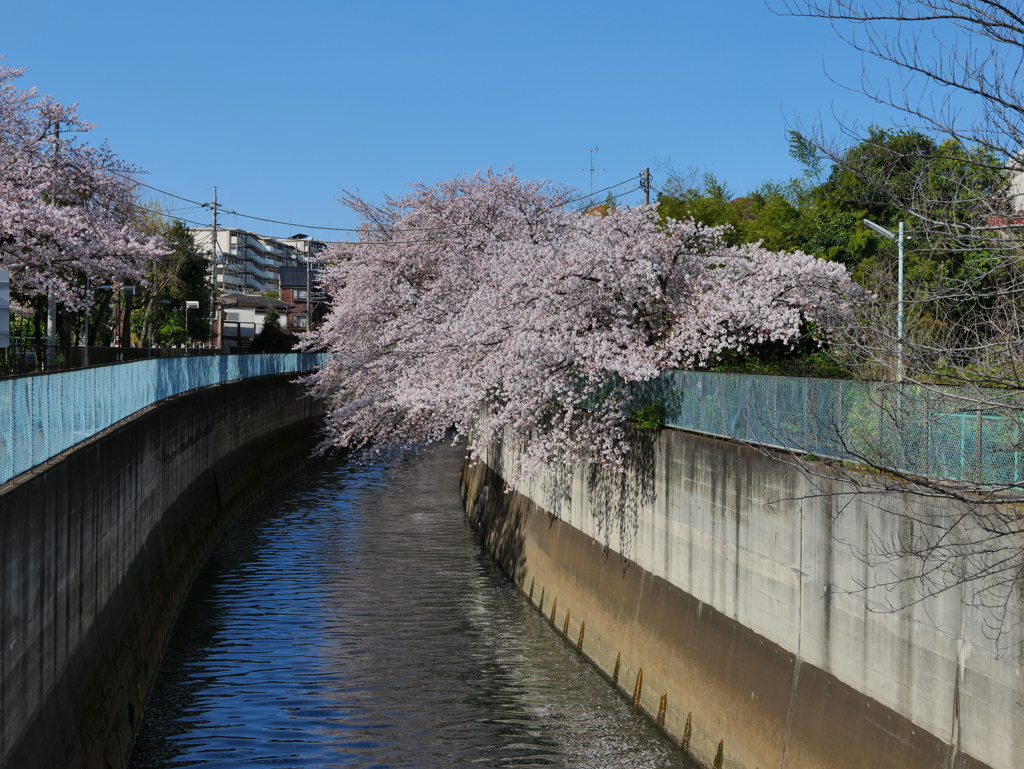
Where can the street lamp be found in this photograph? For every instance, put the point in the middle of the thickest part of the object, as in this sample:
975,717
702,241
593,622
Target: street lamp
5,303
189,305
899,306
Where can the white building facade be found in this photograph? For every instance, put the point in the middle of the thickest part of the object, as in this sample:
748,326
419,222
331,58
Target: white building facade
247,263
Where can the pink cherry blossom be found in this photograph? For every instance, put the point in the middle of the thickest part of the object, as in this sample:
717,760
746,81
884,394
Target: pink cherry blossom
67,209
481,304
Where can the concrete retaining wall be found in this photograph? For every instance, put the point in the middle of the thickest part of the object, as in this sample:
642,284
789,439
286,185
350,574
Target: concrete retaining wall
733,580
99,547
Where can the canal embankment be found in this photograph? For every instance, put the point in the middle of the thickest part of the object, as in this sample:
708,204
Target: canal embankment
100,545
731,593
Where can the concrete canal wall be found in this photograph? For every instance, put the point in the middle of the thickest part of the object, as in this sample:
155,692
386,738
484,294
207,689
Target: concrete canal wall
733,580
99,547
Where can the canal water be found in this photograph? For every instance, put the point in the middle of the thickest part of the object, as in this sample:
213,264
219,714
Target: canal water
351,618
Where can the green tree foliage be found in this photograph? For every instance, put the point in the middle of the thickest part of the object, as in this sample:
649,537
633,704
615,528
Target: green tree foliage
941,189
273,338
946,194
183,275
708,202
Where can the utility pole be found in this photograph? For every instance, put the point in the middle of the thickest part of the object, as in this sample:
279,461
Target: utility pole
592,168
5,308
645,184
213,267
51,300
88,310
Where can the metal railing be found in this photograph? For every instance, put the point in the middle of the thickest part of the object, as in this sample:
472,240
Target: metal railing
21,359
45,414
965,436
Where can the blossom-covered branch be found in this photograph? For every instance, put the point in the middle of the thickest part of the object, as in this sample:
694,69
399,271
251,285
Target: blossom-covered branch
483,296
67,209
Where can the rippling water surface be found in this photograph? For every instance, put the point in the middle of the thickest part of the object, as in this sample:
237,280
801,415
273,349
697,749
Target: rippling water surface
350,618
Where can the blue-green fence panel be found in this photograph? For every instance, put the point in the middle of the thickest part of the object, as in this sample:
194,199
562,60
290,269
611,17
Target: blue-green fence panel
41,416
947,433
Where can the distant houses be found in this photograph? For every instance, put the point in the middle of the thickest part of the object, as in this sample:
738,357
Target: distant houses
300,289
253,273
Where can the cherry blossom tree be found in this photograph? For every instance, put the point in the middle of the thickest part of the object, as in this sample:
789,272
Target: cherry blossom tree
482,303
67,209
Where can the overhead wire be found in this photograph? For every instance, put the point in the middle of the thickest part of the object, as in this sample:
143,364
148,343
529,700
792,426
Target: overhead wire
403,242
417,229
335,229
197,204
598,192
172,214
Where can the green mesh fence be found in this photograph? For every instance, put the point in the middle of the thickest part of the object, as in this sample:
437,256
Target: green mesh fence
953,434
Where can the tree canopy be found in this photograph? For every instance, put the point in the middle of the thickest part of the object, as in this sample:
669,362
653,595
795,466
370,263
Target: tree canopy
948,195
181,274
484,304
67,209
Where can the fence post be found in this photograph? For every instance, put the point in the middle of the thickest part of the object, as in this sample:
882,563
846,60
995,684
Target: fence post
980,466
927,436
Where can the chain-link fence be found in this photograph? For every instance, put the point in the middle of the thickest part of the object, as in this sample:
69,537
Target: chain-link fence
963,435
42,415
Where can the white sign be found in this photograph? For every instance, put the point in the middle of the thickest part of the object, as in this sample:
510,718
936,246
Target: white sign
5,308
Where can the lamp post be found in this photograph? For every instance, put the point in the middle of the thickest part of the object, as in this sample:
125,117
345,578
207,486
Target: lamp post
189,305
51,330
5,309
5,303
899,300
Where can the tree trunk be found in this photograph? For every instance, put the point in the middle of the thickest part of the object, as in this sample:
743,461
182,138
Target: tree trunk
101,313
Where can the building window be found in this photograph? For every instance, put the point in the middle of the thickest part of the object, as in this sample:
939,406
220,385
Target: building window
299,293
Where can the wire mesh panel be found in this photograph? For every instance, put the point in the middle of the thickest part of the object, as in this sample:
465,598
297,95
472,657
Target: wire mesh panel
41,416
966,436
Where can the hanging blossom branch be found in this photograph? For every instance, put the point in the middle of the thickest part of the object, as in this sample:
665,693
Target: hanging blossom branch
480,304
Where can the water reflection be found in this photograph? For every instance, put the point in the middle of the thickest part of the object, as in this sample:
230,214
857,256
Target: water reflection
350,619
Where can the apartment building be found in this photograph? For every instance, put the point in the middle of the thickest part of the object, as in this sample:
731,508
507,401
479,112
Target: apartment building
247,263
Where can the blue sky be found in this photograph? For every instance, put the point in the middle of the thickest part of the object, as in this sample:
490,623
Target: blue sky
282,104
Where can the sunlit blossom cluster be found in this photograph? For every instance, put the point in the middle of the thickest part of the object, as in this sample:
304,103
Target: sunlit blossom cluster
67,209
481,304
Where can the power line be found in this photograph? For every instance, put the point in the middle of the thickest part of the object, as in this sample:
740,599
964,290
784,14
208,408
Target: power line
605,189
197,204
132,179
627,192
638,188
332,229
336,229
405,229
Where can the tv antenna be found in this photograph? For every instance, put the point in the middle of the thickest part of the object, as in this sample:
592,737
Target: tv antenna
592,168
